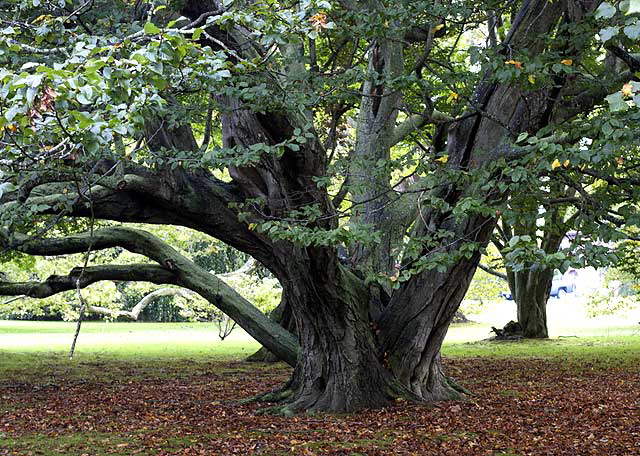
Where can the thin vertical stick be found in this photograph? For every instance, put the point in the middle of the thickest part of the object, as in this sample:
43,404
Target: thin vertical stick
83,306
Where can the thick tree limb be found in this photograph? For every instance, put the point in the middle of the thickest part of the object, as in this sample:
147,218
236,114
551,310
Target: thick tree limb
631,60
187,274
58,283
583,99
429,299
415,122
203,202
134,313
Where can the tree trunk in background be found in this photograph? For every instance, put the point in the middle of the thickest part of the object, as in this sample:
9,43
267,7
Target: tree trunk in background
531,287
530,290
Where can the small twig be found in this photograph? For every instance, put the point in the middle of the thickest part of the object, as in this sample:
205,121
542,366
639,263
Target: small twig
491,271
83,306
15,298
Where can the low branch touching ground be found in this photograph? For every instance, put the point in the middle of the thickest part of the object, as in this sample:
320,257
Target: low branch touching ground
177,268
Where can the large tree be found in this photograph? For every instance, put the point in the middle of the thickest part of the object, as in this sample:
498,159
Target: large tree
357,149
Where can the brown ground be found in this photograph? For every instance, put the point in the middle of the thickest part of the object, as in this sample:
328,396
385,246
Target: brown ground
522,407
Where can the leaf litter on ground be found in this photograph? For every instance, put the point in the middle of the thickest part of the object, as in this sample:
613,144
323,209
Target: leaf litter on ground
520,407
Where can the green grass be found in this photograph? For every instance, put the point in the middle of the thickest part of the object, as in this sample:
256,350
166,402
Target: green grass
618,344
77,443
96,327
33,346
30,349
124,340
36,353
94,443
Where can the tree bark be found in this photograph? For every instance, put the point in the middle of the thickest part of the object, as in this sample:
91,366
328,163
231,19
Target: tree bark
530,290
342,369
416,320
284,317
531,287
350,359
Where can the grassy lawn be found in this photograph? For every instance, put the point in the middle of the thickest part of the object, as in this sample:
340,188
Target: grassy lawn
34,347
148,388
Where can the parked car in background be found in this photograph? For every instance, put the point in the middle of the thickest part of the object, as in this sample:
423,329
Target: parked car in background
560,286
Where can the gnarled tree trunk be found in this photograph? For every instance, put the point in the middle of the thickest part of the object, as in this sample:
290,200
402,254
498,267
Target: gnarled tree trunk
342,369
418,317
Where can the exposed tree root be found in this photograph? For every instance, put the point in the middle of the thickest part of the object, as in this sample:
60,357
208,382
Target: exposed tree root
458,388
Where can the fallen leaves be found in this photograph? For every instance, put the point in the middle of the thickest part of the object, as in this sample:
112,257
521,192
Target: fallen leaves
523,406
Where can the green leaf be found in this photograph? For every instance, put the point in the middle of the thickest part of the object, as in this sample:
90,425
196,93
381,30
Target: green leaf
151,29
605,11
609,32
6,187
11,112
633,31
84,121
28,65
616,102
82,98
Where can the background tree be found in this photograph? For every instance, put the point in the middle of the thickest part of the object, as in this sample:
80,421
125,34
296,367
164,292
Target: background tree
621,283
239,119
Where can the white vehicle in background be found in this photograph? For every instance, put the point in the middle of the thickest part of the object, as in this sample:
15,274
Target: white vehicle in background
561,285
